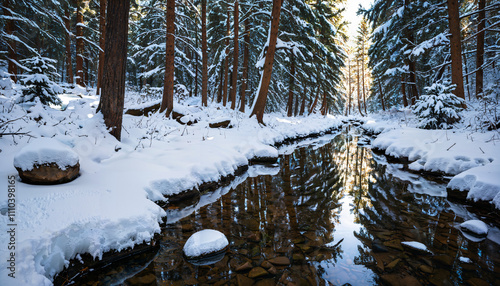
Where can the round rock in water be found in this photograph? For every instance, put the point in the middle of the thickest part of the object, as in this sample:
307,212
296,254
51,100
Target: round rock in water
204,245
475,227
47,161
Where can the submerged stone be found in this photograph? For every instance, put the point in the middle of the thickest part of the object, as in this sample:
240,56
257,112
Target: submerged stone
257,272
280,261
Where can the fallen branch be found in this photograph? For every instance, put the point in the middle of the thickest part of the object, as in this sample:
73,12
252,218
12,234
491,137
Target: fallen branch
18,134
451,146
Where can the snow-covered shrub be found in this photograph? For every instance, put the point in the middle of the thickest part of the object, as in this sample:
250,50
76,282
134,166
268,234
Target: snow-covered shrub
438,107
39,81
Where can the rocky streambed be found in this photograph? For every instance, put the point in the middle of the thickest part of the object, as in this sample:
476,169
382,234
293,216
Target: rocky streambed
327,213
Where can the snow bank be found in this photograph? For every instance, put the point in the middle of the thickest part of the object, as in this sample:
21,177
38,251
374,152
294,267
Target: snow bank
110,206
481,183
449,152
471,157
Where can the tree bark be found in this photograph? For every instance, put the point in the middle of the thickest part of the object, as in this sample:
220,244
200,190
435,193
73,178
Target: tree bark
363,76
12,45
204,54
350,90
69,64
79,43
291,85
381,93
246,63
102,31
226,60
303,105
403,91
324,105
260,101
456,49
115,59
219,93
168,86
359,87
315,102
235,55
480,48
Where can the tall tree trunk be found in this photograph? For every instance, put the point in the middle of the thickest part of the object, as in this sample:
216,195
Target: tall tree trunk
246,63
296,108
315,102
466,75
480,48
86,71
69,64
403,91
204,54
79,43
363,76
102,31
291,85
226,60
456,49
260,101
359,87
12,46
324,105
235,54
381,93
411,64
350,89
219,93
168,86
115,59
196,68
303,105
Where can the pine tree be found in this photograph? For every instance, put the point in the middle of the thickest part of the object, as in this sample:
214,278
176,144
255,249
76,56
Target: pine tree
438,107
39,82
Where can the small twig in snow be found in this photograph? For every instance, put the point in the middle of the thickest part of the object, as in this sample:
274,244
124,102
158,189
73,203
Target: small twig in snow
481,150
451,146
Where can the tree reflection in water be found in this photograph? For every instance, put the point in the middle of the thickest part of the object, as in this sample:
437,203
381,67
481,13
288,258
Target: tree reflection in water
339,217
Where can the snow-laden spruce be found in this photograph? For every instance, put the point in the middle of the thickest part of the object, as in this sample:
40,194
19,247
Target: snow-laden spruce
38,82
438,107
205,242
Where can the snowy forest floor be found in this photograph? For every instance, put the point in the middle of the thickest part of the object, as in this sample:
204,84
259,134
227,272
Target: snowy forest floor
111,205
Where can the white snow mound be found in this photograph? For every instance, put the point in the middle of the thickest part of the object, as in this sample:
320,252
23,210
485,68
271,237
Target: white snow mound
45,151
476,227
205,242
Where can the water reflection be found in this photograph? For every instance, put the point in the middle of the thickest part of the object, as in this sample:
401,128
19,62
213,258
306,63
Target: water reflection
339,215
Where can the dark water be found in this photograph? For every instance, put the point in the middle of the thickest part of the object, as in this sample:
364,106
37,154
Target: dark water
337,213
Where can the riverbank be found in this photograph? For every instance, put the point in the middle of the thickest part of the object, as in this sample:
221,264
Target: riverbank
111,205
466,155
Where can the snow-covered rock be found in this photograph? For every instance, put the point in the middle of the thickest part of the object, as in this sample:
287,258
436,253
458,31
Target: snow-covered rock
416,246
475,227
204,243
47,161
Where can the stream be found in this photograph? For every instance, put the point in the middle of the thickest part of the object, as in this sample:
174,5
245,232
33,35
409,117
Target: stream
336,211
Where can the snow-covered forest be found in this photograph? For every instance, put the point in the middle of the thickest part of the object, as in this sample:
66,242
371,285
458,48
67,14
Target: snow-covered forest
116,114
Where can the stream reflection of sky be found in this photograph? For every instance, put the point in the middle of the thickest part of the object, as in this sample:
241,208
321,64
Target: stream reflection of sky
344,270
